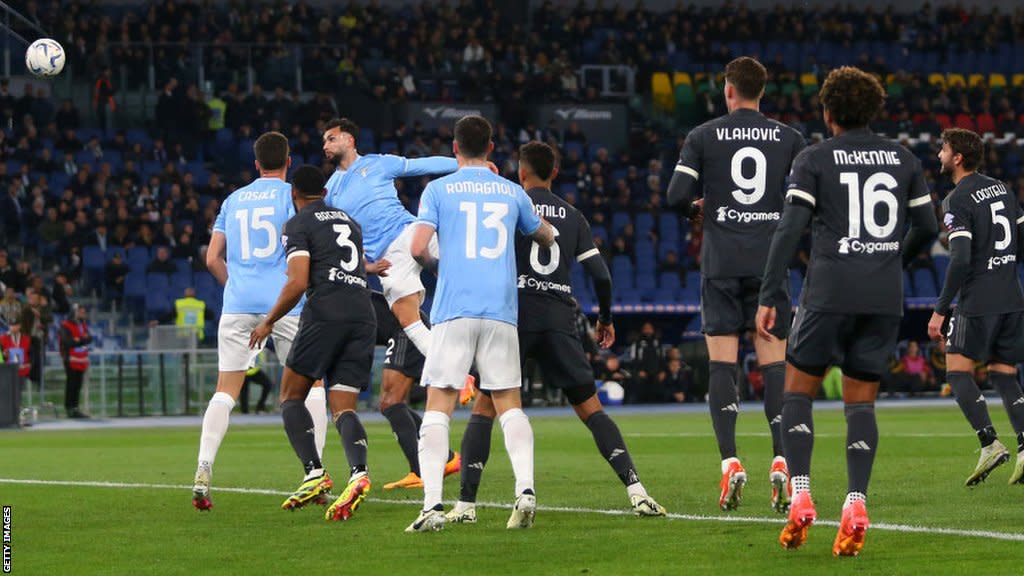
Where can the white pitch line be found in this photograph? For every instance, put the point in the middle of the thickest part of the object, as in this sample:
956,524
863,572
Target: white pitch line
766,435
1008,536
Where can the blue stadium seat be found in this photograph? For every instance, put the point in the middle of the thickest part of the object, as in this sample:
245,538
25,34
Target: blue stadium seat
566,188
157,281
388,147
158,303
135,285
796,282
924,284
93,263
619,221
665,246
669,281
644,223
600,232
941,263
138,258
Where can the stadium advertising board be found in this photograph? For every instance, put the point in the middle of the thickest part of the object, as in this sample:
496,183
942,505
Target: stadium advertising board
434,114
604,123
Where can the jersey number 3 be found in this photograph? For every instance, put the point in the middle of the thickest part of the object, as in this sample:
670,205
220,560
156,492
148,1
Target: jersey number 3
344,240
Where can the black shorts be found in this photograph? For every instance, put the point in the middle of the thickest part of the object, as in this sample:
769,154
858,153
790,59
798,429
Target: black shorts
990,338
561,359
860,344
403,356
729,306
341,354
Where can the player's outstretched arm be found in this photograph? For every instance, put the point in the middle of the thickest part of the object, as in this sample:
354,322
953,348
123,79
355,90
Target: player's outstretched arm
291,293
544,235
420,246
215,261
795,218
428,166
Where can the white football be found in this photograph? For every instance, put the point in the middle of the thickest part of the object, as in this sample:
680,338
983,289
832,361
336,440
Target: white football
45,57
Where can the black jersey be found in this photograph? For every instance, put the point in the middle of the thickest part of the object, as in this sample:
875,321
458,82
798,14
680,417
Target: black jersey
982,209
860,187
337,275
545,293
741,161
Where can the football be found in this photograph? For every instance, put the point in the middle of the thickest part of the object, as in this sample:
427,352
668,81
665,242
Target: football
45,57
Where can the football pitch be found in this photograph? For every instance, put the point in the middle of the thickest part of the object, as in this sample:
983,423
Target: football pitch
118,501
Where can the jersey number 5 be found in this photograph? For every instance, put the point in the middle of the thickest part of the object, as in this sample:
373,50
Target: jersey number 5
345,241
1004,223
495,212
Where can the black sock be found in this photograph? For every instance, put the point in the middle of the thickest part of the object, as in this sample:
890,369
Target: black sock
1013,397
611,445
298,424
861,445
723,403
407,432
972,404
797,432
774,381
353,438
419,422
476,448
1020,442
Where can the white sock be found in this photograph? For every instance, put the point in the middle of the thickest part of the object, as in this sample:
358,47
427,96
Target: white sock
420,336
519,444
636,489
316,403
433,452
727,462
854,497
801,484
215,426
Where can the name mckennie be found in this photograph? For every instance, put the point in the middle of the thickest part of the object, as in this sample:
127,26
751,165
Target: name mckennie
866,157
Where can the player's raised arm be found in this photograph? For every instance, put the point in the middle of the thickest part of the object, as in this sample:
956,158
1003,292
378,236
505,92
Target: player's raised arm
426,227
923,226
403,167
682,188
530,224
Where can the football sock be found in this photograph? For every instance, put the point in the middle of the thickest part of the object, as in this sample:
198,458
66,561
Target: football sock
298,424
353,438
215,426
519,444
476,448
723,404
419,422
406,429
316,403
432,448
774,381
1020,442
420,335
611,445
797,433
1013,397
972,404
854,497
861,444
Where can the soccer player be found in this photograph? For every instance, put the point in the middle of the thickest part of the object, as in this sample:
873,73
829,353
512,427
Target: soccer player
336,338
739,162
475,214
364,187
547,332
984,223
246,256
855,190
403,366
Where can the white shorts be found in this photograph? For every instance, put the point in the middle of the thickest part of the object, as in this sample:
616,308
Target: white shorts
233,350
403,277
455,344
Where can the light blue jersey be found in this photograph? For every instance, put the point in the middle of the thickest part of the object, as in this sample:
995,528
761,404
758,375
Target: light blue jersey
366,191
252,219
476,214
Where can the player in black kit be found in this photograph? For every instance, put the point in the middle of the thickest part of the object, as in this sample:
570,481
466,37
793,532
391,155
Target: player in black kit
403,366
984,222
856,190
337,335
738,165
547,333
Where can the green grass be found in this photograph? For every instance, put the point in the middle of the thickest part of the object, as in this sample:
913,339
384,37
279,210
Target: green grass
924,456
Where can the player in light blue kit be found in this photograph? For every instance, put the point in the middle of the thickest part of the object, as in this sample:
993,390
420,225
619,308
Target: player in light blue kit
364,187
246,254
475,214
